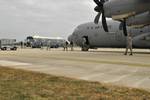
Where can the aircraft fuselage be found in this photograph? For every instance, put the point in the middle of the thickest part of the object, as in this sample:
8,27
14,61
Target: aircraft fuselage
97,37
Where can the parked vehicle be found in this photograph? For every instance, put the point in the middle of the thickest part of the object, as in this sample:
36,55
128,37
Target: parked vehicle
8,44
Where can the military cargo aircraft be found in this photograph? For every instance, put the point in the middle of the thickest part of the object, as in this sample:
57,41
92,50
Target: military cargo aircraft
90,35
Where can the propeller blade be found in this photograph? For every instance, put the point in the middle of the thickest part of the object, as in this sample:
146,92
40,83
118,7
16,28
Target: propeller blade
100,10
96,20
104,23
98,2
97,9
124,27
102,1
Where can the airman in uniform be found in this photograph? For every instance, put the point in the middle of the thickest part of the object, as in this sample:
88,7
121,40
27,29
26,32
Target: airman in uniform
71,45
129,44
66,46
48,45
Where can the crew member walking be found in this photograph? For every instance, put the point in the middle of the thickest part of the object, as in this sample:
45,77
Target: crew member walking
129,44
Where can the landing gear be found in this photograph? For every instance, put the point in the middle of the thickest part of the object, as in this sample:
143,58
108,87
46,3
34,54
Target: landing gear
85,43
85,48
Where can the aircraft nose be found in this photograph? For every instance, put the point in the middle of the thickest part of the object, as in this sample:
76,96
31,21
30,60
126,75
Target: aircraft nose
74,37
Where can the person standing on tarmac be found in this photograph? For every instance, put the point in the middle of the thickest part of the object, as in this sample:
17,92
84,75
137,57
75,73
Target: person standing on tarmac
48,45
66,46
71,45
21,44
83,41
129,44
41,44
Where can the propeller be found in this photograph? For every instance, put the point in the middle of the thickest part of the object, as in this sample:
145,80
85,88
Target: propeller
100,9
123,26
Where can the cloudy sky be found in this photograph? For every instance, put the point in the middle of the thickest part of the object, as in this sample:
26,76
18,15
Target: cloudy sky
20,18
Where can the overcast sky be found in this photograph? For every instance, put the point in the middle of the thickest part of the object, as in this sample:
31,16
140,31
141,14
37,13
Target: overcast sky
20,18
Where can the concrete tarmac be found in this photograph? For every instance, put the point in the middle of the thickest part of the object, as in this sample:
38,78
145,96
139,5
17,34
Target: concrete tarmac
103,65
